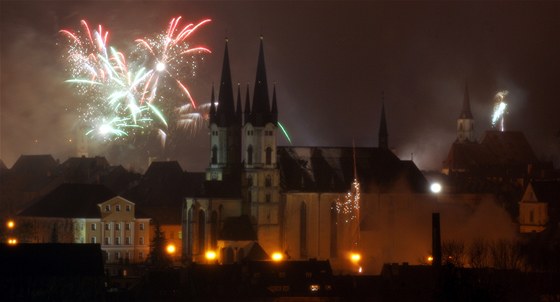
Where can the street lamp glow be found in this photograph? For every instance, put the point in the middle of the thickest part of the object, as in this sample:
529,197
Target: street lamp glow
277,256
355,257
12,241
11,224
435,187
210,255
171,249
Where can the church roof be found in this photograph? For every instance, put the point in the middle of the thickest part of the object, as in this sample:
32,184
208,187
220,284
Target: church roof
70,201
331,169
497,149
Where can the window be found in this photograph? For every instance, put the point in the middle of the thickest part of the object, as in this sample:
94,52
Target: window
107,226
93,226
268,181
107,208
249,181
180,235
117,255
128,207
141,226
268,156
268,197
93,240
118,208
128,241
250,155
127,226
141,240
214,155
140,255
127,255
117,240
117,226
201,231
303,230
107,240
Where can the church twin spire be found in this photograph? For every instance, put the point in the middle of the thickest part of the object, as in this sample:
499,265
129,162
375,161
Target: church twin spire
259,114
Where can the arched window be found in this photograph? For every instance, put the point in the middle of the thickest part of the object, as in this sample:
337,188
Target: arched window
303,230
214,155
269,156
190,230
214,230
201,231
334,234
250,155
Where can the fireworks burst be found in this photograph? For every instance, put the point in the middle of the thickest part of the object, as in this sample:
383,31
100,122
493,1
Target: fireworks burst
499,110
121,92
349,206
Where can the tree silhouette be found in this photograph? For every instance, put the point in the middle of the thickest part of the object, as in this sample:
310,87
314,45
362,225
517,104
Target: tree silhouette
158,256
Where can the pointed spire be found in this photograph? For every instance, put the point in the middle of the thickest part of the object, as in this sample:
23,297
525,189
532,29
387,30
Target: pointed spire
238,111
226,107
383,138
261,103
274,110
247,111
212,114
466,112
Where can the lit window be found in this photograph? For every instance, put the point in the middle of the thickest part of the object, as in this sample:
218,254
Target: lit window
118,208
180,235
117,226
93,226
127,226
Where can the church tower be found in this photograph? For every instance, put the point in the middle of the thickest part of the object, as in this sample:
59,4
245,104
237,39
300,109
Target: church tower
261,177
465,122
225,128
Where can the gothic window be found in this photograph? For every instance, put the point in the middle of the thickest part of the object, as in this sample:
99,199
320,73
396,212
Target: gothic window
201,231
303,230
213,230
268,181
268,156
334,237
250,155
214,155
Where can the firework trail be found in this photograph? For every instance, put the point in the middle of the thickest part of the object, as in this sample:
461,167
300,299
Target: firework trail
499,109
121,91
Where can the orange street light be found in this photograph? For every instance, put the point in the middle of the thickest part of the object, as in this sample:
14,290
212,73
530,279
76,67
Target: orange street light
210,255
277,256
11,224
171,249
355,257
430,259
12,241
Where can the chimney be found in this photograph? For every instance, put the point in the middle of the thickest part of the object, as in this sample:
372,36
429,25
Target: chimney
436,240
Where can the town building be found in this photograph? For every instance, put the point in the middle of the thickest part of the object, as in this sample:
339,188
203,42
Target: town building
88,213
539,207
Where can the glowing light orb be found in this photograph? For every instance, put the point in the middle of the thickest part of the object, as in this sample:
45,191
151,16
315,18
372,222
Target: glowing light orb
160,66
355,257
435,188
11,224
277,256
430,259
104,129
210,255
171,249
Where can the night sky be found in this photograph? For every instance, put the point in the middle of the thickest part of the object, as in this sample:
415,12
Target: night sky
330,62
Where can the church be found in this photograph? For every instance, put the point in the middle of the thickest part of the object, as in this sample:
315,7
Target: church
259,198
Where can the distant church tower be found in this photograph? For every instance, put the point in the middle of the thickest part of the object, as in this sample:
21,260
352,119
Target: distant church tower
465,122
225,128
383,138
261,177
